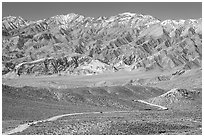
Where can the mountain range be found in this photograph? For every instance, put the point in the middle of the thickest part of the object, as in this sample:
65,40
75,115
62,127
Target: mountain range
75,44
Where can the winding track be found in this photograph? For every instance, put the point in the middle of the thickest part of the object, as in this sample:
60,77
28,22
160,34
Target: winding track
23,127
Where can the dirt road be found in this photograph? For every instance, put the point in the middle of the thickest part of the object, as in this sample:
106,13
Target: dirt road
23,127
162,107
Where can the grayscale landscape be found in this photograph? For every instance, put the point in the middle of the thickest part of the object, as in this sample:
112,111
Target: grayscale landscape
126,74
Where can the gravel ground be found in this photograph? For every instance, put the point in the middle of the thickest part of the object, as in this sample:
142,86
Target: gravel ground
138,123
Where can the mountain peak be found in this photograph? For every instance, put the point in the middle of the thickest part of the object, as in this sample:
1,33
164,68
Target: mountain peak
128,14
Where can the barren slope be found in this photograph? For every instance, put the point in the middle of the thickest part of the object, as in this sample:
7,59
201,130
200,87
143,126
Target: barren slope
74,44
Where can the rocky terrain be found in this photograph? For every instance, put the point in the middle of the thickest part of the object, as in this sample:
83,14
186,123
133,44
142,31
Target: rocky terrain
74,44
127,74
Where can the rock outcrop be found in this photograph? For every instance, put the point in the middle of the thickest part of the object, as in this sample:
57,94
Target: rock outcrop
175,97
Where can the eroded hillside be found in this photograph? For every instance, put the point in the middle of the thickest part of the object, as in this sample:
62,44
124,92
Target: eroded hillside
75,44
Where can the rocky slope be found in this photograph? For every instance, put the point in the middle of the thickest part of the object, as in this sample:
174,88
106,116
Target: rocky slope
83,45
179,99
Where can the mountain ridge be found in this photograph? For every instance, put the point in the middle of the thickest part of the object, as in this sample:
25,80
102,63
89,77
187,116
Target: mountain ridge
99,18
127,40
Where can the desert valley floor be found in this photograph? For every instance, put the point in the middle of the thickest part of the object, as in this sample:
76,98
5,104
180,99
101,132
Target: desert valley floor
124,102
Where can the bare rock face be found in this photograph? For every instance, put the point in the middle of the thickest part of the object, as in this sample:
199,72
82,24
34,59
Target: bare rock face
82,45
77,64
11,23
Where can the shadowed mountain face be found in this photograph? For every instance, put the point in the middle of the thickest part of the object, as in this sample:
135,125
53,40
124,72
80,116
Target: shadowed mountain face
76,44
